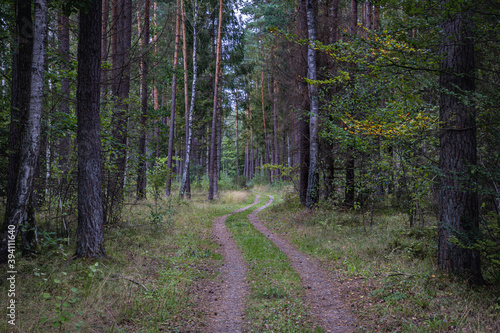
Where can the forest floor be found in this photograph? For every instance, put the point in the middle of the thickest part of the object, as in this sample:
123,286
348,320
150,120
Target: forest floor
225,302
248,264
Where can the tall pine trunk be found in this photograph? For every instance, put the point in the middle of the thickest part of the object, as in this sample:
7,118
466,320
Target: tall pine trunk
213,141
90,231
172,105
142,167
303,127
266,157
350,163
63,35
122,15
237,143
459,209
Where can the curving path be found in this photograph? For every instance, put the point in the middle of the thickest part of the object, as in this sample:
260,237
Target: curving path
227,309
321,293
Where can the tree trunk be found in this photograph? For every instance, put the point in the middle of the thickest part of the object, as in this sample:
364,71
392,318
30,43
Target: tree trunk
189,122
376,18
212,167
104,48
142,167
90,231
237,144
172,104
63,32
349,196
275,125
303,127
459,209
30,147
121,91
354,17
369,15
312,184
334,25
20,100
264,109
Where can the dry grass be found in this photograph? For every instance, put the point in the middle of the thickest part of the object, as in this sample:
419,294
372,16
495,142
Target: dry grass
145,284
234,197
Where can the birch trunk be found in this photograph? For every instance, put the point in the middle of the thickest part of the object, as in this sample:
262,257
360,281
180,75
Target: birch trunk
20,100
189,123
30,143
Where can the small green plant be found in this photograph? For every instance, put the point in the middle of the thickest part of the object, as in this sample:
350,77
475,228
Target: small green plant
62,304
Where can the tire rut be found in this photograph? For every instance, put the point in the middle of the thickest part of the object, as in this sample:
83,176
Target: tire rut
227,309
321,293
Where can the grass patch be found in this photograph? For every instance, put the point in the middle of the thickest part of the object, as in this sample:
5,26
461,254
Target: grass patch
388,270
144,284
276,302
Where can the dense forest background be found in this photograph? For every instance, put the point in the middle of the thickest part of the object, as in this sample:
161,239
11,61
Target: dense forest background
359,104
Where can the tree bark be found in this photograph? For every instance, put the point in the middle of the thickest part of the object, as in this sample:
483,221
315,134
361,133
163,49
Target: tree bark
121,91
459,209
90,231
334,21
313,178
104,47
349,196
30,146
189,122
172,104
186,98
142,167
63,33
237,144
212,165
303,127
354,17
20,98
266,157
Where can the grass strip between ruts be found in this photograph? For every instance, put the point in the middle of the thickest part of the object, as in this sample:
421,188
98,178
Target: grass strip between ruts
276,300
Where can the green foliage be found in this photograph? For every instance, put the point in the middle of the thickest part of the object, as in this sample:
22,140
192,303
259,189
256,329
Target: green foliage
62,302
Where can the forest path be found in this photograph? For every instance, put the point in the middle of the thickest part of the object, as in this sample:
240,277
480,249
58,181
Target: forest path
321,294
226,308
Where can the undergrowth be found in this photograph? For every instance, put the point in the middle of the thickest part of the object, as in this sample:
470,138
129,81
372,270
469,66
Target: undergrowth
155,255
